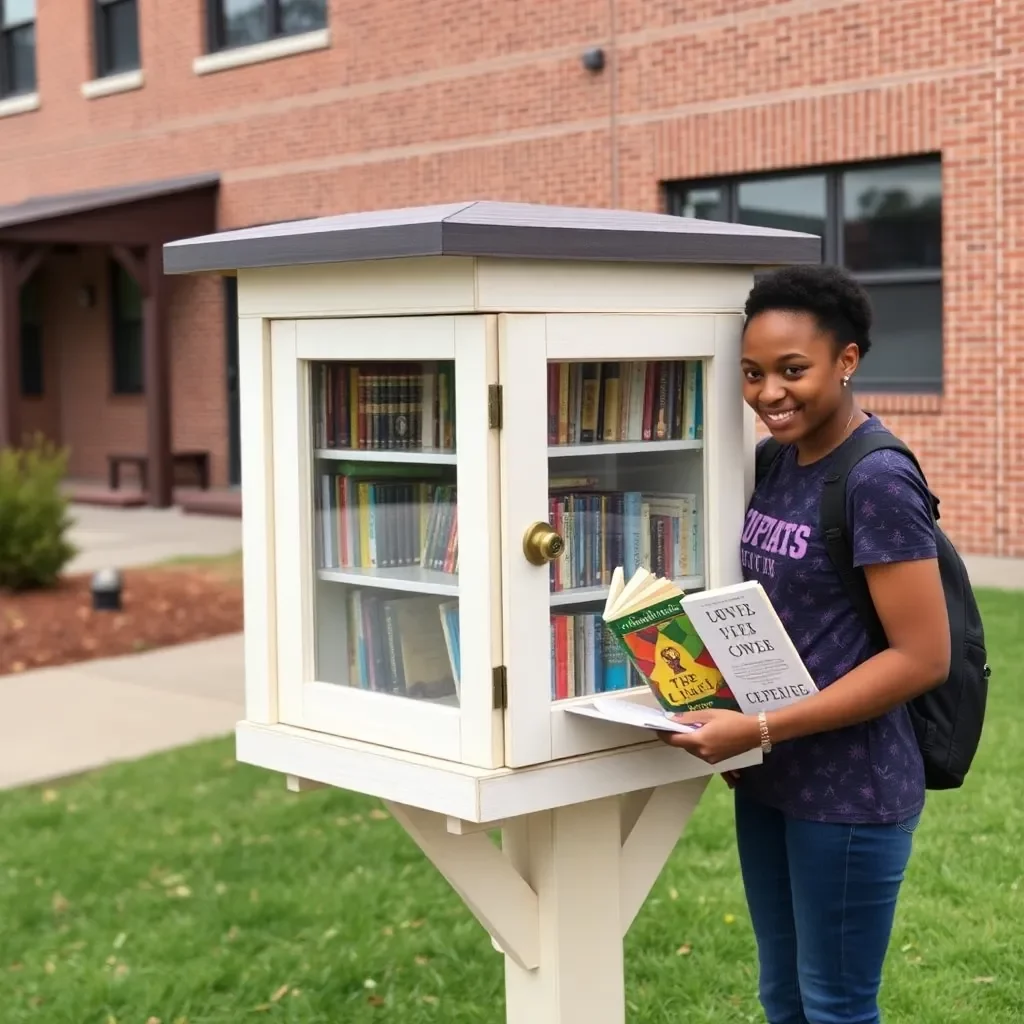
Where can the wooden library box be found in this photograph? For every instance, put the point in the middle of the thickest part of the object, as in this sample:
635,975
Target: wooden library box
456,420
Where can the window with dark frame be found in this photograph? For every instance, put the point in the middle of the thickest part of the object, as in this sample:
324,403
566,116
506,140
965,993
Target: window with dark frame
233,23
17,47
882,221
32,375
116,33
126,331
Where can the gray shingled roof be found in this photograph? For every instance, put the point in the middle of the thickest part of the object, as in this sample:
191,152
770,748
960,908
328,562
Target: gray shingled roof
84,200
516,230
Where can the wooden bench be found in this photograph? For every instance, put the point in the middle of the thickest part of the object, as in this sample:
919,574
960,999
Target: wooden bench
197,461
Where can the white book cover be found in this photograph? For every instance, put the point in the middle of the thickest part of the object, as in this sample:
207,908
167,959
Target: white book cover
749,644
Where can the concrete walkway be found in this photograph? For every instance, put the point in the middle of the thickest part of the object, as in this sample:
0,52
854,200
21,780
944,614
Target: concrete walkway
122,537
59,722
63,721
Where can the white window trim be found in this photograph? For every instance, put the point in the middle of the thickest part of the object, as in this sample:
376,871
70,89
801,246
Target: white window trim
272,49
21,104
111,84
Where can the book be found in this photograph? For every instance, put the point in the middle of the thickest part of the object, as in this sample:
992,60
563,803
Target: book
604,528
719,648
407,646
388,516
585,659
449,611
626,400
384,405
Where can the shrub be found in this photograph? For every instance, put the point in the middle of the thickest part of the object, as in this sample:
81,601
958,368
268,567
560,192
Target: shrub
33,516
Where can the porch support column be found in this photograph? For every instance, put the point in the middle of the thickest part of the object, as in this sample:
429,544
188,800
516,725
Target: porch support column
10,349
156,379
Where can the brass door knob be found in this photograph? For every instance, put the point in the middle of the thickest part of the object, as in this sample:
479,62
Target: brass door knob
541,544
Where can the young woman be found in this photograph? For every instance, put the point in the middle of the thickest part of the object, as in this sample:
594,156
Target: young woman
824,825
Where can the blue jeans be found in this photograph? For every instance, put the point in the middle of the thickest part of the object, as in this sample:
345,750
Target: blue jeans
822,898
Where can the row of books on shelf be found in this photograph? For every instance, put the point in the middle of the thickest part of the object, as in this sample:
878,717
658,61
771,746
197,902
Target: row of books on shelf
604,529
406,645
651,400
385,405
586,658
384,517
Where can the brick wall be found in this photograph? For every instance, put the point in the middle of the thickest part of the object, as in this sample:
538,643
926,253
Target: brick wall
433,100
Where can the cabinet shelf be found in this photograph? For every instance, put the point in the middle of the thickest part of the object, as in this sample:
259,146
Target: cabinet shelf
563,451
428,456
586,595
409,579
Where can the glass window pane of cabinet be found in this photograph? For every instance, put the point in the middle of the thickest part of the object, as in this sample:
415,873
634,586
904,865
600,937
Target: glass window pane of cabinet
625,487
386,616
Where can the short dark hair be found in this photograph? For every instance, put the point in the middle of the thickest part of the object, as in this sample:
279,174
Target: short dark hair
838,303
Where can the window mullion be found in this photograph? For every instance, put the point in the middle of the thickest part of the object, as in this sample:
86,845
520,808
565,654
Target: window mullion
5,84
99,36
214,25
833,248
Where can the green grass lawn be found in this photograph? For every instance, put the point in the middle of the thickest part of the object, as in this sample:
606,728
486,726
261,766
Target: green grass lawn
186,888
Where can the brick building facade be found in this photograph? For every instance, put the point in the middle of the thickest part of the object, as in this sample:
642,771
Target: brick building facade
307,107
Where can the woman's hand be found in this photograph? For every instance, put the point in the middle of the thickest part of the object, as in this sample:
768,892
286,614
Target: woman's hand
722,734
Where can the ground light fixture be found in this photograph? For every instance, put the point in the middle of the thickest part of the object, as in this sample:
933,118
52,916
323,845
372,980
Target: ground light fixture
106,588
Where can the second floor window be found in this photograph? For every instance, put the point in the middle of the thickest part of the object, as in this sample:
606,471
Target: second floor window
116,24
245,22
17,47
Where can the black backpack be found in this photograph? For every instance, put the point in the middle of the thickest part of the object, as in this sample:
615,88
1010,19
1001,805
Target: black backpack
947,719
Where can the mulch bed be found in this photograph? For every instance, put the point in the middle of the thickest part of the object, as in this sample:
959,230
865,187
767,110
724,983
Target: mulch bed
160,607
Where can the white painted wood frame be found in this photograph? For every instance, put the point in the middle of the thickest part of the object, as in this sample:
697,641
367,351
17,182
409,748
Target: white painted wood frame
469,732
539,730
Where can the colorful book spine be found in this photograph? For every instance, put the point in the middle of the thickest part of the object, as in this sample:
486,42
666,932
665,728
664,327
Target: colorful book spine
407,645
586,658
384,406
603,529
655,400
372,518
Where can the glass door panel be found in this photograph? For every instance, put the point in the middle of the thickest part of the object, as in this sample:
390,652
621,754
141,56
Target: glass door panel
386,527
625,487
380,637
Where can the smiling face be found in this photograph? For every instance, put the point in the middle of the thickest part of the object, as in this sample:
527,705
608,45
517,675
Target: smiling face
793,375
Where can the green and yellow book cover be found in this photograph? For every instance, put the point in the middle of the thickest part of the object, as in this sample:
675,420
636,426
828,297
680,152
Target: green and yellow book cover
646,618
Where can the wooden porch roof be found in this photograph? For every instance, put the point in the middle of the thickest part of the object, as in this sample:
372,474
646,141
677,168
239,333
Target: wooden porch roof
134,221
141,213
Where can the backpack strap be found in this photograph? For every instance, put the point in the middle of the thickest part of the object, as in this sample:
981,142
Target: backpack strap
835,529
766,454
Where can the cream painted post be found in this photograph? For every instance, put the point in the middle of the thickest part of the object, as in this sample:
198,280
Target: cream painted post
571,858
560,895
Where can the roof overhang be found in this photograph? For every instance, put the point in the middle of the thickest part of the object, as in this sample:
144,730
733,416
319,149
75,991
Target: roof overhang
143,213
492,229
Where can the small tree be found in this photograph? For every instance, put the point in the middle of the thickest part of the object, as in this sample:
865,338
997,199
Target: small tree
33,516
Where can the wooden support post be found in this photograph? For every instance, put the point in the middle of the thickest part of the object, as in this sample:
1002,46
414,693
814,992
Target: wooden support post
157,381
562,892
570,856
10,349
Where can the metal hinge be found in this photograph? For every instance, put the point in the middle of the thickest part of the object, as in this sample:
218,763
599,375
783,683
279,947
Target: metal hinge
499,682
494,406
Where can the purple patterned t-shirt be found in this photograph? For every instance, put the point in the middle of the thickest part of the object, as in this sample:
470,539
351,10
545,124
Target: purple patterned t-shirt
871,772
